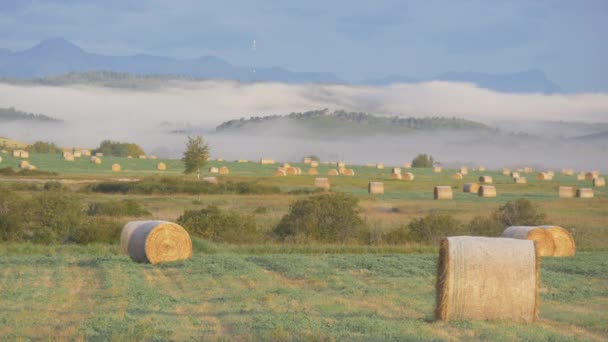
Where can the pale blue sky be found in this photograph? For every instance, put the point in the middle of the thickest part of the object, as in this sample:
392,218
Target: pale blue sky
354,39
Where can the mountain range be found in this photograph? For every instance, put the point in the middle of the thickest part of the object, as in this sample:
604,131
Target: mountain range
58,56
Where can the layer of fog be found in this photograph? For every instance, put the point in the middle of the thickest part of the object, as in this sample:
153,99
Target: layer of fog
92,114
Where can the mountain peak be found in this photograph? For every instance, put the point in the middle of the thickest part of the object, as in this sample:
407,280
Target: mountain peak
56,45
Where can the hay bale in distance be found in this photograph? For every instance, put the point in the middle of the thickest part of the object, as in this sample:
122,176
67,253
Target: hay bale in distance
380,166
470,187
214,170
486,191
515,174
590,176
17,153
280,172
156,241
443,193
219,160
286,166
242,161
506,172
396,176
116,167
212,180
566,191
68,157
408,176
599,182
544,176
267,161
437,169
0,159
528,169
580,176
407,165
563,241
485,179
224,170
23,164
306,160
291,171
568,172
86,153
481,168
520,180
348,172
333,172
30,167
322,183
545,245
584,193
340,165
95,160
457,175
99,154
312,171
153,157
314,163
161,166
375,188
481,278
463,170
396,170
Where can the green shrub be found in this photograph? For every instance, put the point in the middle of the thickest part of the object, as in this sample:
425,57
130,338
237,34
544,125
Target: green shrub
119,149
10,226
485,226
9,171
260,210
519,213
422,160
50,216
325,218
53,186
128,207
96,230
397,236
167,185
220,226
43,147
433,227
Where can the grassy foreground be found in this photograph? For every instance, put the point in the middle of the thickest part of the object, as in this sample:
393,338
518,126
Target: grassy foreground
90,293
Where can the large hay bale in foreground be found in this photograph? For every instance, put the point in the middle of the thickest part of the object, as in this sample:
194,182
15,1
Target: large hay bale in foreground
322,183
584,193
599,182
156,241
224,170
407,176
544,241
481,278
485,179
566,191
333,172
161,166
116,167
470,187
375,188
312,171
520,180
443,193
486,191
563,241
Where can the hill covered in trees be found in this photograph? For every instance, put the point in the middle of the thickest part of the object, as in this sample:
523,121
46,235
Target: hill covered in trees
323,122
12,114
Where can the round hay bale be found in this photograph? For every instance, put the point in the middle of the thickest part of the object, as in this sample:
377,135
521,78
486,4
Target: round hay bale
348,172
566,192
481,168
219,160
407,165
520,180
375,188
599,182
153,157
24,154
280,172
463,170
563,241
470,187
0,159
596,173
369,164
590,176
116,167
485,179
312,171
568,172
443,193
545,245
322,183
457,175
161,166
23,164
4,152
30,167
506,172
99,154
544,176
242,161
580,176
481,278
486,191
584,193
286,166
16,153
77,154
212,180
157,241
267,161
408,176
214,170
306,160
379,166
528,169
95,160
86,153
291,171
314,163
396,170
68,157
437,169
224,170
515,174
340,165
299,170
333,172
125,235
396,176
142,157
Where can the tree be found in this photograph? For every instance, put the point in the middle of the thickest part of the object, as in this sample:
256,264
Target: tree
196,155
119,149
422,160
43,147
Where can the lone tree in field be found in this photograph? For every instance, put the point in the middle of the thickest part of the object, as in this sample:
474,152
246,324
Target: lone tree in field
196,155
422,160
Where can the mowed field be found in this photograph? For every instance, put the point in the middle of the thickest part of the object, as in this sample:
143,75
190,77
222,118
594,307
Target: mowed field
290,292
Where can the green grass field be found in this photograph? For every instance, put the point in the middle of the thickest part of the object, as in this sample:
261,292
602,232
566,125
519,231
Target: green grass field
273,291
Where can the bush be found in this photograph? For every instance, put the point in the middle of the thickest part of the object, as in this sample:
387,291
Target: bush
100,230
519,213
325,218
422,160
433,227
119,149
43,147
220,226
128,207
9,171
397,236
167,185
485,226
10,227
53,186
50,216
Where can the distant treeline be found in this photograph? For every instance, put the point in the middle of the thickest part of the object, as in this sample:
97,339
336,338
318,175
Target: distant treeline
325,118
12,114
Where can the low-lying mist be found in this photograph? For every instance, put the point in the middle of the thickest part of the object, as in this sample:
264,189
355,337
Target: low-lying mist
147,117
